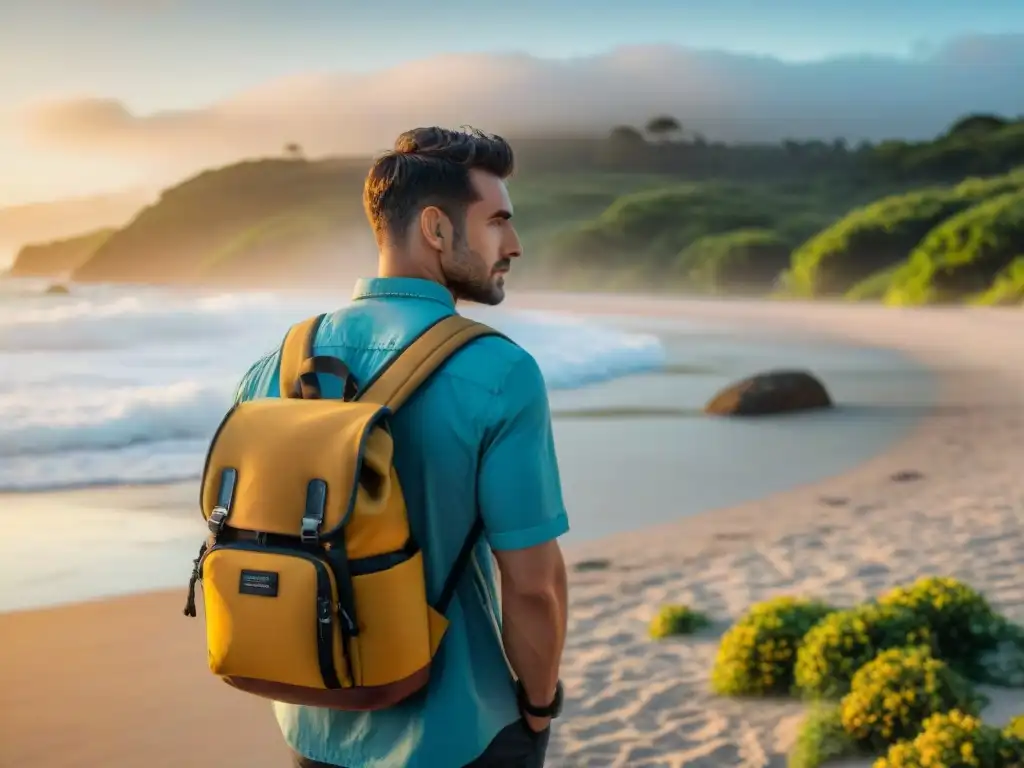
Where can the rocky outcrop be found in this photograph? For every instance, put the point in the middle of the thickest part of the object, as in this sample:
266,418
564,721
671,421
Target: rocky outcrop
771,392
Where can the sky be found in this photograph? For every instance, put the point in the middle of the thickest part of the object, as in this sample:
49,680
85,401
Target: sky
97,95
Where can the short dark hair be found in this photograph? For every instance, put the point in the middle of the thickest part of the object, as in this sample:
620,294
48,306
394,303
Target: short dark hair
430,166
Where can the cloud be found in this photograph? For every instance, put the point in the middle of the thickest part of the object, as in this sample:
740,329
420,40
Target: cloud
732,97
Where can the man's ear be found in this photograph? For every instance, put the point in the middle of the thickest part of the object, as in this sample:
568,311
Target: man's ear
436,228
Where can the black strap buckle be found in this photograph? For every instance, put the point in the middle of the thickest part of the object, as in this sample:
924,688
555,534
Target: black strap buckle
217,519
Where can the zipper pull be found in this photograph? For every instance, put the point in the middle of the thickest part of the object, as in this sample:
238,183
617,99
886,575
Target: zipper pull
324,616
351,630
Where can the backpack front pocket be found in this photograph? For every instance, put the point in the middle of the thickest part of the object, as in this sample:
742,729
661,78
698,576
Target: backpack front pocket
271,614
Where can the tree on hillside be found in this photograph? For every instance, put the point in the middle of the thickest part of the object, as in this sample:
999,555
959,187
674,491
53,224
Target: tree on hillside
977,124
664,127
294,151
625,146
626,135
792,147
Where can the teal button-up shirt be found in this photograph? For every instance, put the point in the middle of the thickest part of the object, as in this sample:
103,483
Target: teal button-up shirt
476,437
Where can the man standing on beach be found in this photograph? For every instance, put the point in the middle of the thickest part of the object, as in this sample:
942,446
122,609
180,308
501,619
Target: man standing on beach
476,438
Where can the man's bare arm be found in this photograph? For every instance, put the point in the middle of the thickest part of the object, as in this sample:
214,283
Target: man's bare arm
534,596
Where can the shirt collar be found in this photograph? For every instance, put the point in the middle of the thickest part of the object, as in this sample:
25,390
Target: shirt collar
403,288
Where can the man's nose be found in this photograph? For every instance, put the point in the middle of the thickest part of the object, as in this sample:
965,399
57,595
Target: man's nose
513,246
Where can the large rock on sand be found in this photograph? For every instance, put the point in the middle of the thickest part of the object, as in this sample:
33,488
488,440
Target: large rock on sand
769,393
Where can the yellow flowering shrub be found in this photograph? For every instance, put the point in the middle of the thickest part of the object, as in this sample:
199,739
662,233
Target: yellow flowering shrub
757,653
955,739
1015,727
892,694
841,643
676,620
963,624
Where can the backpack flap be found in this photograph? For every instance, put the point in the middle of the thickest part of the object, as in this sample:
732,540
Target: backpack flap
275,462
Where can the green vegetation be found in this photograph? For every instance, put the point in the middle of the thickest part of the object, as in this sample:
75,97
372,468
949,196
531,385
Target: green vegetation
698,235
658,209
956,738
756,654
677,620
1015,727
835,648
822,738
962,623
977,145
963,256
892,694
876,237
877,672
735,262
226,223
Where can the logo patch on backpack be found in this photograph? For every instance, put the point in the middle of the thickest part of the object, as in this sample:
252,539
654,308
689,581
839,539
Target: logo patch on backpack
263,583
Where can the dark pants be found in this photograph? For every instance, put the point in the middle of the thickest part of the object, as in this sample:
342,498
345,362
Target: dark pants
515,746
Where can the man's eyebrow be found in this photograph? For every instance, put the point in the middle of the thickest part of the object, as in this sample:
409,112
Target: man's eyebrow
502,214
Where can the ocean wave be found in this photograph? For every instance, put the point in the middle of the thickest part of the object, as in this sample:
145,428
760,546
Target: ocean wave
112,388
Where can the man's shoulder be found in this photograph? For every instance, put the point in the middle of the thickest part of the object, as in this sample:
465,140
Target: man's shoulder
496,363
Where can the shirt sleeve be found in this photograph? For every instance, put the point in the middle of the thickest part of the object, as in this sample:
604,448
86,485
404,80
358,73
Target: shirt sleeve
244,389
519,488
255,382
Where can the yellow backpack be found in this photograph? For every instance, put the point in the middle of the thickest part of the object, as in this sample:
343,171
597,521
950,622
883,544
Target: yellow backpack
314,589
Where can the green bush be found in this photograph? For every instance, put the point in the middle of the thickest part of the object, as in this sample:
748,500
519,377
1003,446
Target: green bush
874,286
839,645
1007,286
892,694
978,149
869,239
652,226
821,738
744,259
677,620
964,255
954,739
962,623
757,654
883,234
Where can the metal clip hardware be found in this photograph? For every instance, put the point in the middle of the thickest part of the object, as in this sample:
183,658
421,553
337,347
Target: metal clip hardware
309,533
217,519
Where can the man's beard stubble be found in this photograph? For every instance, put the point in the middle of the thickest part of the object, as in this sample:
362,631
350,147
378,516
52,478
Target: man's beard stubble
468,279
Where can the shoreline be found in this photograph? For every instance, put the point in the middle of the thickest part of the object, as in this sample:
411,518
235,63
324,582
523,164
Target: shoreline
630,701
669,478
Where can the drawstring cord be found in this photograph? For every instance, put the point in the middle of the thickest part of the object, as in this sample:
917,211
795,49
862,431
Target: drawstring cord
190,602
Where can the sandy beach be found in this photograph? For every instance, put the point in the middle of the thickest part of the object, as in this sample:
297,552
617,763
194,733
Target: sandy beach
122,682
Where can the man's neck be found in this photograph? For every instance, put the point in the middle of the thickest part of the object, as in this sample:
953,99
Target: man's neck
390,265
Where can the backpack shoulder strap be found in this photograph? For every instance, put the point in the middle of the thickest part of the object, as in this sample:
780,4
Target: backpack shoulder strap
295,350
299,366
400,378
